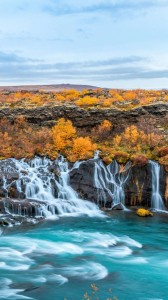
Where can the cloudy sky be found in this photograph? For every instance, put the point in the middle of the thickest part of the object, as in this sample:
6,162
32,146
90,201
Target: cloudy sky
107,43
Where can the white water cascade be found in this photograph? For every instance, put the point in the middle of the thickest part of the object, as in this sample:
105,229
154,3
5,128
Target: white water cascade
109,182
37,182
156,200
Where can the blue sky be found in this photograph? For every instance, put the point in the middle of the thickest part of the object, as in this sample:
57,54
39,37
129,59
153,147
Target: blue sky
107,43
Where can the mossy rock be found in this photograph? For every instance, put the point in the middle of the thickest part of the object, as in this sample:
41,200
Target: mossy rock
142,212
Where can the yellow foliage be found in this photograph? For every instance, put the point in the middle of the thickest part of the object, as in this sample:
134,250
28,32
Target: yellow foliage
117,140
106,103
142,212
63,134
83,148
105,126
60,97
131,134
87,101
102,131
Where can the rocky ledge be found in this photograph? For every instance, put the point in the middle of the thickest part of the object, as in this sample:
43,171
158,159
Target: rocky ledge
88,118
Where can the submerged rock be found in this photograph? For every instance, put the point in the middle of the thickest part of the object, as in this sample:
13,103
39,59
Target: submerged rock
118,207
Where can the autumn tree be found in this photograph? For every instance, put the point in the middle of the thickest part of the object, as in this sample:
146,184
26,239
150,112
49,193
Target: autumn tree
102,131
63,134
82,148
153,136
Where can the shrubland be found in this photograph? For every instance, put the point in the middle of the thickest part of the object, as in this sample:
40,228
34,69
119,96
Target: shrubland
136,143
100,98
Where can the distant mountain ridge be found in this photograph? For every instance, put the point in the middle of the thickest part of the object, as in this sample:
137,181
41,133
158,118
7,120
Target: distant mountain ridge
47,88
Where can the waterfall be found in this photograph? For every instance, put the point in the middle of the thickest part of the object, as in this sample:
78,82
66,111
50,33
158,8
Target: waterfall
52,194
109,182
156,199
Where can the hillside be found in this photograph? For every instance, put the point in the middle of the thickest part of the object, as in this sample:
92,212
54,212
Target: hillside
122,124
46,88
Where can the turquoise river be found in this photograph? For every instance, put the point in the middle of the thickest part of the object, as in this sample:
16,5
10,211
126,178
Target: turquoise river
122,254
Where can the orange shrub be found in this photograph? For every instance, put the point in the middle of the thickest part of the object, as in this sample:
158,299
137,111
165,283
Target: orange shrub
87,101
82,148
139,159
163,151
21,140
107,160
164,160
102,131
63,134
121,156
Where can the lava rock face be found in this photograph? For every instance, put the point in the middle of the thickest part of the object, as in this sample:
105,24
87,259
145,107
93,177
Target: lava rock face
82,118
82,180
138,188
8,176
137,185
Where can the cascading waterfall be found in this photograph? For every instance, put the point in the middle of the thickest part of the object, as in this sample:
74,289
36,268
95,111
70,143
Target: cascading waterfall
109,181
39,184
156,199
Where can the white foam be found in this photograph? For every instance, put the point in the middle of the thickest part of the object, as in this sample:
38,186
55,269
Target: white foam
127,240
103,240
39,279
57,278
16,267
12,294
118,252
27,246
5,281
136,261
58,248
87,271
8,293
11,254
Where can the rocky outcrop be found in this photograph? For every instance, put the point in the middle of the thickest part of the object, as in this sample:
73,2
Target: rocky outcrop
13,212
88,118
27,208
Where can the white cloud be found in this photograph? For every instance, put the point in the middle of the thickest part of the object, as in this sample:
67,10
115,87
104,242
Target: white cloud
74,39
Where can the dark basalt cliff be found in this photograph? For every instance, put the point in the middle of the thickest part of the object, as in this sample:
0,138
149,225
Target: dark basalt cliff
40,187
135,182
88,118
